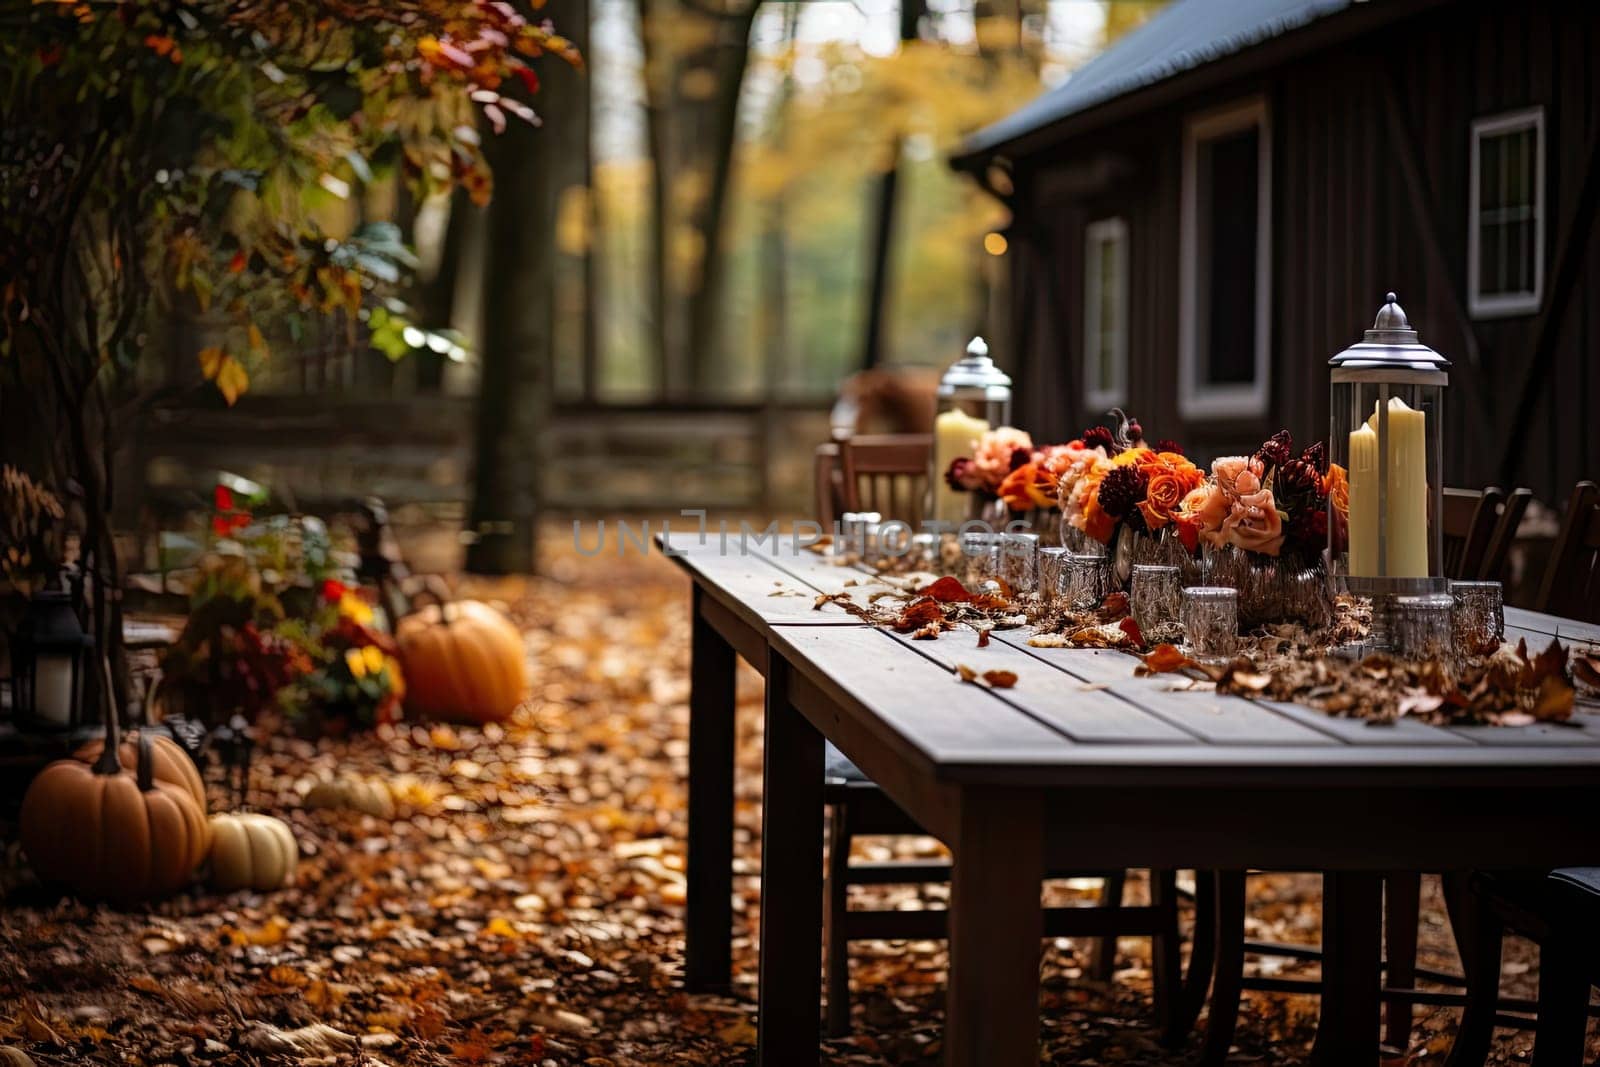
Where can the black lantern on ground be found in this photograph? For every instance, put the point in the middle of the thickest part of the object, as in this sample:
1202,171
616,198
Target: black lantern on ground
50,655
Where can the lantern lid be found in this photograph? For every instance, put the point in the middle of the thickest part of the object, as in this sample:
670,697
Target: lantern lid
1391,343
975,370
52,624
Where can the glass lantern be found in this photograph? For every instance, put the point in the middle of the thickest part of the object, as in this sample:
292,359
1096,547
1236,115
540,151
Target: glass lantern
974,396
1386,430
49,655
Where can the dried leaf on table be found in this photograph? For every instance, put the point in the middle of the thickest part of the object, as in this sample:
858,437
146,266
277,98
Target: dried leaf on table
1000,679
1164,658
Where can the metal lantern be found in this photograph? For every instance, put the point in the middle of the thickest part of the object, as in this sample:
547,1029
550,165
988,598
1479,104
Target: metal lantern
1386,406
49,657
974,396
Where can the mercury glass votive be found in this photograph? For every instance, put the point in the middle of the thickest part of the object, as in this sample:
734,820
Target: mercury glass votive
980,556
1477,617
923,553
1211,620
1155,596
1422,629
1084,584
1052,573
1019,562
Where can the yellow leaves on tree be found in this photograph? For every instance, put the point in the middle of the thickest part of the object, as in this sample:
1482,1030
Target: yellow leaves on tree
231,379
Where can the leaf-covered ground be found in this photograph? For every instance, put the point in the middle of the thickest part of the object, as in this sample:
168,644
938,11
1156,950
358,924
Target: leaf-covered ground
525,905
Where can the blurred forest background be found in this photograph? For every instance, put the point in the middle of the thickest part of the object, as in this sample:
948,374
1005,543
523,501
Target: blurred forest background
731,206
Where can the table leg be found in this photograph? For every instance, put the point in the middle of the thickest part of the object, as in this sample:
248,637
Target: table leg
996,925
1352,970
709,921
788,1013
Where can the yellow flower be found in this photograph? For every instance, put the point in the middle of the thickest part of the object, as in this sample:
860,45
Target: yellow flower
374,657
397,679
351,606
356,662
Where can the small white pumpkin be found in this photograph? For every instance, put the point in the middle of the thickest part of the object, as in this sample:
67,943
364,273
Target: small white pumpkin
250,851
11,1056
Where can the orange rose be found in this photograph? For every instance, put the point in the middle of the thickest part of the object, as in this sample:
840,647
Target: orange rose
1029,487
1163,494
1095,522
1336,484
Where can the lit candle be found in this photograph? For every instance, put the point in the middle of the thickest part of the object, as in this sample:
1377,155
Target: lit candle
1405,530
954,434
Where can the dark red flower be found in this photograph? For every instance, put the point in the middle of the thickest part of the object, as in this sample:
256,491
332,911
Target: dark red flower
1098,437
1135,432
1167,444
1277,449
1317,457
1121,490
959,475
1021,457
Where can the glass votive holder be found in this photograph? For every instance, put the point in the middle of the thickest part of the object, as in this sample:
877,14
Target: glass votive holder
856,530
1422,628
1477,617
923,553
1084,582
1019,562
980,553
1155,597
1052,574
1211,620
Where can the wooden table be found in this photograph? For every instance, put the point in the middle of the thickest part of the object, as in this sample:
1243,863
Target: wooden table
1080,764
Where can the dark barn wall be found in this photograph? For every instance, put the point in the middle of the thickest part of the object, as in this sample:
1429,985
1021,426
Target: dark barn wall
1370,192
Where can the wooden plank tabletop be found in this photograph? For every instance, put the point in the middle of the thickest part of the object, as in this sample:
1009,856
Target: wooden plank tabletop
1083,712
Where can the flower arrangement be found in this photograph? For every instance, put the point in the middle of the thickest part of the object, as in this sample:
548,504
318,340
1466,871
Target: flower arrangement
1006,465
357,678
1112,482
1273,502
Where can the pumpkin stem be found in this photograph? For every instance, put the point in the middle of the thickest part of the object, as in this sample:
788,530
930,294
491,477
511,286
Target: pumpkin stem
441,593
146,766
109,762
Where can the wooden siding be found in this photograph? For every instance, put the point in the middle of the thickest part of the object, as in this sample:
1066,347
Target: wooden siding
1370,156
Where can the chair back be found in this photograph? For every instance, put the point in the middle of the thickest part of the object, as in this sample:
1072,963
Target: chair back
827,484
886,473
1493,568
1571,585
1468,526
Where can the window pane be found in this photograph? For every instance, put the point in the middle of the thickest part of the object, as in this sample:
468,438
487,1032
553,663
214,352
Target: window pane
1228,262
1489,188
1507,199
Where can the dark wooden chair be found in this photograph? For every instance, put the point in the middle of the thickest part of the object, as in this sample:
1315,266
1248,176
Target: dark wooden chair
1560,912
1478,530
1571,585
888,474
827,485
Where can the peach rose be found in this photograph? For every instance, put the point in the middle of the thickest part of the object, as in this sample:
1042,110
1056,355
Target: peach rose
1237,475
1254,522
994,455
1205,507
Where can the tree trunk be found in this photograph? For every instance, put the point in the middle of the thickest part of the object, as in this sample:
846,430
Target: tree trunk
883,233
532,166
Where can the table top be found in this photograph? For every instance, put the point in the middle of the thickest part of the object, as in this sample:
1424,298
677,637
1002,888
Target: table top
1081,717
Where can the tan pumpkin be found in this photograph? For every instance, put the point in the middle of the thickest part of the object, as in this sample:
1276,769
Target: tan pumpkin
463,660
250,851
370,796
110,833
169,762
14,1057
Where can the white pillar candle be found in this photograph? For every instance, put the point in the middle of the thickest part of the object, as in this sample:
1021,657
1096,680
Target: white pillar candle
52,689
954,435
1405,532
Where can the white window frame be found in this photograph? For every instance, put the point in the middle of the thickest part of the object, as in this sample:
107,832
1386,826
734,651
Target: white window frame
1500,305
1195,399
1099,395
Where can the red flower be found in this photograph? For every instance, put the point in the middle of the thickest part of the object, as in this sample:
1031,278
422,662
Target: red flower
332,590
222,496
219,525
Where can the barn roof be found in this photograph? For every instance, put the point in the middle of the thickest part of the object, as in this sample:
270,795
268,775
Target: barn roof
1186,36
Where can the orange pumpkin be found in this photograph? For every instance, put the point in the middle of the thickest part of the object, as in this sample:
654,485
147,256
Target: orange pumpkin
168,763
106,832
463,660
